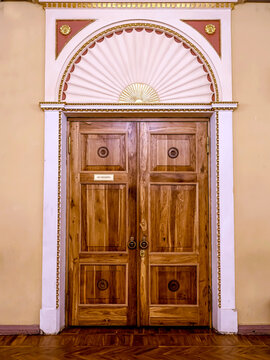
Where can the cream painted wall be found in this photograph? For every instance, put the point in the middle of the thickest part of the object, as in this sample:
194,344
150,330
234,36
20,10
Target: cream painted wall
251,87
21,161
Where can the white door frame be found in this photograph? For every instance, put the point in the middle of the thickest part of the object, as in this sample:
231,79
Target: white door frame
52,314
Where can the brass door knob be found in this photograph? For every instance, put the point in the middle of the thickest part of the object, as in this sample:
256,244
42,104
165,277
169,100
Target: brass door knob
132,243
144,243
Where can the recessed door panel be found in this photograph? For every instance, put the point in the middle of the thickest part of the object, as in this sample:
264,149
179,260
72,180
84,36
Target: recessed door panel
173,152
173,225
173,285
103,284
103,217
103,152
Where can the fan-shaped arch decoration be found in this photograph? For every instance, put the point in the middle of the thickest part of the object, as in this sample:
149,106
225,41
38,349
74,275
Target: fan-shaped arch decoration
138,63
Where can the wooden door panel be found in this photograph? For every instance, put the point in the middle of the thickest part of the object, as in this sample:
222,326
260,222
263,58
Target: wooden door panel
103,217
173,285
174,270
103,152
103,284
102,316
173,152
173,315
173,218
102,269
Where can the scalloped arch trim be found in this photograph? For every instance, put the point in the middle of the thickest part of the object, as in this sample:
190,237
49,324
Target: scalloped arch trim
116,59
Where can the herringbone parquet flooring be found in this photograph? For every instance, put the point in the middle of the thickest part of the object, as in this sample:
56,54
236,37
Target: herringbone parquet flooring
139,344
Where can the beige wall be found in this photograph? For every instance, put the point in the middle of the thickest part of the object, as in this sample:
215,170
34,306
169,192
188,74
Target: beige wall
251,87
21,161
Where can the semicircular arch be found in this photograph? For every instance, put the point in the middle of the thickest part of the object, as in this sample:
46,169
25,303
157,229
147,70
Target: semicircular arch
138,63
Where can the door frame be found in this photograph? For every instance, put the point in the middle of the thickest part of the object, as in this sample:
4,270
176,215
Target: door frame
224,314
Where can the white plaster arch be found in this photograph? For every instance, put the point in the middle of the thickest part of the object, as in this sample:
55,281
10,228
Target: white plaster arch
52,315
138,53
219,65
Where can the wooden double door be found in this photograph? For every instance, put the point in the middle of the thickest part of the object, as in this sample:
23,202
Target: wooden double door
138,223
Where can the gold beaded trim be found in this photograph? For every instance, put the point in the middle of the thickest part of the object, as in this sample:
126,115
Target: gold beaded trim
59,209
135,5
218,211
145,25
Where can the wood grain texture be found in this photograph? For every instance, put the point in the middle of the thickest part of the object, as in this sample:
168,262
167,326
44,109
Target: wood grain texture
102,270
183,276
177,218
117,343
160,192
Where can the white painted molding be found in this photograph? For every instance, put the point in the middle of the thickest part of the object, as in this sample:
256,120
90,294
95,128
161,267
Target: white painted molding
227,255
222,225
46,106
227,321
49,314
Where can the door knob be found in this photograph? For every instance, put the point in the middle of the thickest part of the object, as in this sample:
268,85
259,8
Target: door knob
144,243
132,243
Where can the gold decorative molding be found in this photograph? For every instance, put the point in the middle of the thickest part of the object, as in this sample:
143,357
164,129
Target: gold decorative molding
136,5
210,29
145,25
58,209
65,29
218,211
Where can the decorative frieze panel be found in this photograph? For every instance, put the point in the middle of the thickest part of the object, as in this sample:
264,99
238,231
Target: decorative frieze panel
66,30
210,29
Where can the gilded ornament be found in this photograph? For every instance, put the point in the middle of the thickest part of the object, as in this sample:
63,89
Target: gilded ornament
138,93
65,29
132,5
210,29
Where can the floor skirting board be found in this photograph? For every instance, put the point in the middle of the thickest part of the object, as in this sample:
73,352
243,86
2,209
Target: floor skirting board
254,329
19,329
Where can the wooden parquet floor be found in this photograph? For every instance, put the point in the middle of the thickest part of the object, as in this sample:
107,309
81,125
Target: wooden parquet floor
139,344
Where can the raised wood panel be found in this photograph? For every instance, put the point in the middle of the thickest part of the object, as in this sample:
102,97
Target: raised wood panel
173,221
102,284
103,222
173,315
102,258
167,258
103,152
173,152
107,316
176,285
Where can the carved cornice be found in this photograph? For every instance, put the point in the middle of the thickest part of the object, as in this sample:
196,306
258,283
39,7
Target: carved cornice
138,108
